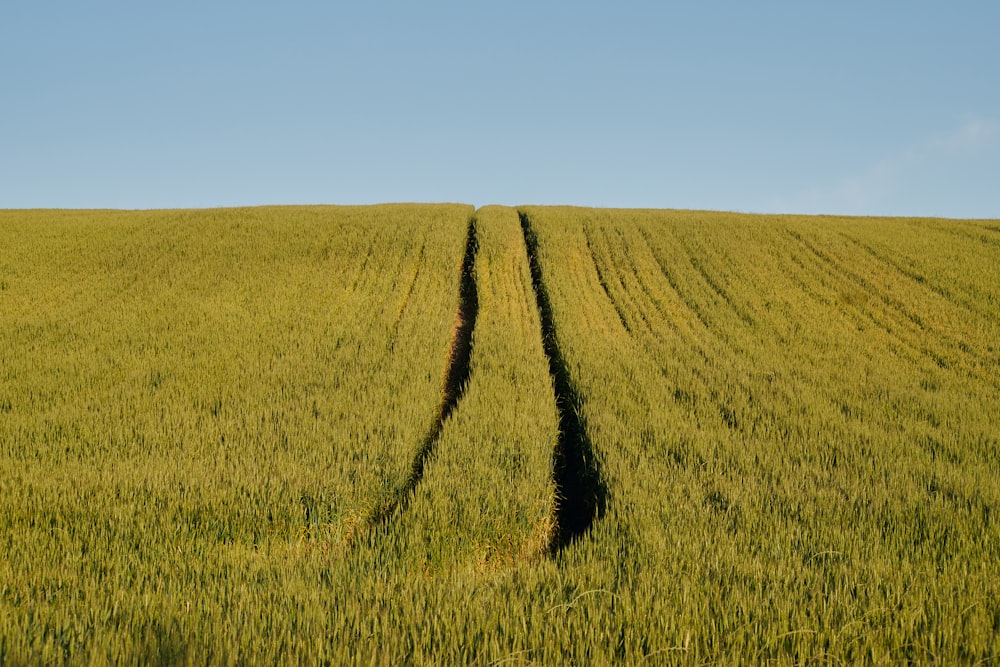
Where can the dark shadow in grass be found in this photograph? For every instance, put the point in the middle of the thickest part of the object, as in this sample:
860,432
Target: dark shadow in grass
581,494
455,381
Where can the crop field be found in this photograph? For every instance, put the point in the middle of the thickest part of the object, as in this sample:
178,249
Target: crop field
435,434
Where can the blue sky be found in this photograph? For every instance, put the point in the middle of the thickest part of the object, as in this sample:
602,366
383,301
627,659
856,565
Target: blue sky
882,108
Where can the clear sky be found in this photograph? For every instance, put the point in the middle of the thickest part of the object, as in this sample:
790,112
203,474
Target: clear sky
882,108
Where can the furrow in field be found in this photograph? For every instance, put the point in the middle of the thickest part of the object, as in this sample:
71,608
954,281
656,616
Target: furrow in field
699,338
672,275
405,301
882,257
634,295
460,351
986,234
393,299
650,296
604,283
368,301
698,253
670,311
455,378
838,267
694,270
486,499
362,268
580,490
939,309
669,332
624,270
674,336
855,292
895,318
675,311
661,308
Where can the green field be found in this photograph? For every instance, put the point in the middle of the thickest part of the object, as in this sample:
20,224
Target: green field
431,434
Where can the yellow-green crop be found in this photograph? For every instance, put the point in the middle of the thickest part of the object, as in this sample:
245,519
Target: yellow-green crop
430,435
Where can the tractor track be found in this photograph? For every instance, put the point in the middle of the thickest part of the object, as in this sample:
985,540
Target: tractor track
456,379
581,495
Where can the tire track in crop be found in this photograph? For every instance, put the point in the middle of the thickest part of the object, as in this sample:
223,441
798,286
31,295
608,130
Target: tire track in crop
696,252
884,258
394,334
645,298
838,267
651,297
965,231
704,350
627,273
604,283
659,290
893,318
581,495
455,379
672,280
707,355
635,292
954,348
700,339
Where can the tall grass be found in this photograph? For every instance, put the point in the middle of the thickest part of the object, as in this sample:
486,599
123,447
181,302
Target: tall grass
799,423
186,390
795,419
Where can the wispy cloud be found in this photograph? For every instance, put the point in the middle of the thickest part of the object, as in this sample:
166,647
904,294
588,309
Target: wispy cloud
863,191
973,135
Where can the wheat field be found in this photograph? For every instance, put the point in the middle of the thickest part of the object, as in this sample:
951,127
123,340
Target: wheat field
435,434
